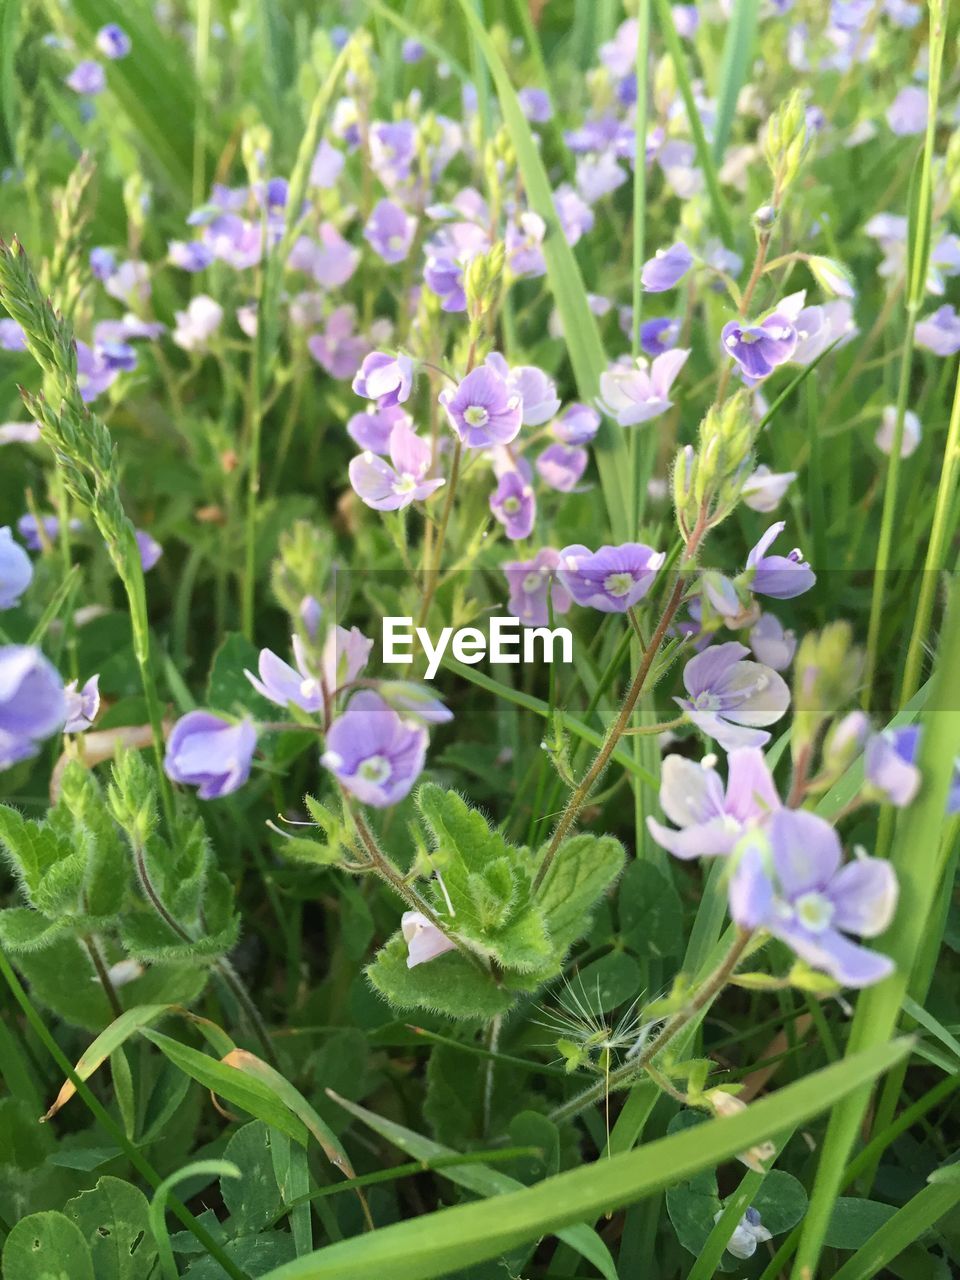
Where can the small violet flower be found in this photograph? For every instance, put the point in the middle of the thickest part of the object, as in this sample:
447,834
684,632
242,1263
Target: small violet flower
113,41
390,231
82,705
87,78
578,424
211,753
514,505
384,378
712,818
764,489
789,881
666,268
940,332
197,325
386,487
372,428
535,587
885,432
771,644
888,765
760,348
658,336
635,395
729,698
280,684
612,579
149,548
561,467
748,1233
16,570
32,702
782,577
538,393
374,753
483,410
424,940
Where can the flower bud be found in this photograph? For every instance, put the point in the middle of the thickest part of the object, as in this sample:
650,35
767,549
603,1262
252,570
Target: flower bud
843,743
833,277
684,482
826,675
765,217
255,147
482,281
786,143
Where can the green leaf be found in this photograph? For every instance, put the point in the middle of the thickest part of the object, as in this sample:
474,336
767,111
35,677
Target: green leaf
46,1246
23,929
453,1239
651,913
253,1199
450,984
107,869
584,868
113,1219
608,982
853,1222
909,1222
32,849
251,1253
228,689
737,58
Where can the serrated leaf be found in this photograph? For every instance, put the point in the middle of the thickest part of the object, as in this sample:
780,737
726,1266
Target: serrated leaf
107,870
32,849
46,1246
113,1220
584,868
450,984
23,929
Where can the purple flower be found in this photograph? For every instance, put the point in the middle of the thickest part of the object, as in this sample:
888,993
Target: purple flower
372,428
578,424
907,114
103,263
424,940
345,654
537,392
764,489
514,505
311,615
524,244
771,644
113,41
327,166
234,240
384,378
209,752
712,819
447,255
197,325
730,697
561,467
130,283
389,488
32,702
759,348
339,349
536,105
598,175
390,231
29,527
19,432
632,396
12,337
412,51
666,268
782,577
940,332
888,765
483,410
574,214
530,582
82,705
788,880
686,19
150,550
660,335
280,684
87,78
885,433
374,753
94,372
16,570
392,151
611,579
191,255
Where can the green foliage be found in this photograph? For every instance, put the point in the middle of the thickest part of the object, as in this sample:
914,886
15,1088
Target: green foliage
47,1246
511,940
112,1218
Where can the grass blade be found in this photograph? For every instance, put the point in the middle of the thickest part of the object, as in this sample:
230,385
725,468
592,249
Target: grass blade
907,1224
455,1238
737,57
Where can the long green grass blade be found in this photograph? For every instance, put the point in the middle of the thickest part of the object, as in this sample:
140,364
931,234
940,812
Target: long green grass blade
918,1215
456,1238
915,857
738,50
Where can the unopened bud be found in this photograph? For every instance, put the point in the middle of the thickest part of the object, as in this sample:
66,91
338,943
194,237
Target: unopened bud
825,679
786,143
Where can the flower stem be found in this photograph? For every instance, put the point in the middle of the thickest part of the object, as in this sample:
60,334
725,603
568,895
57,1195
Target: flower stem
109,990
627,1074
430,586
